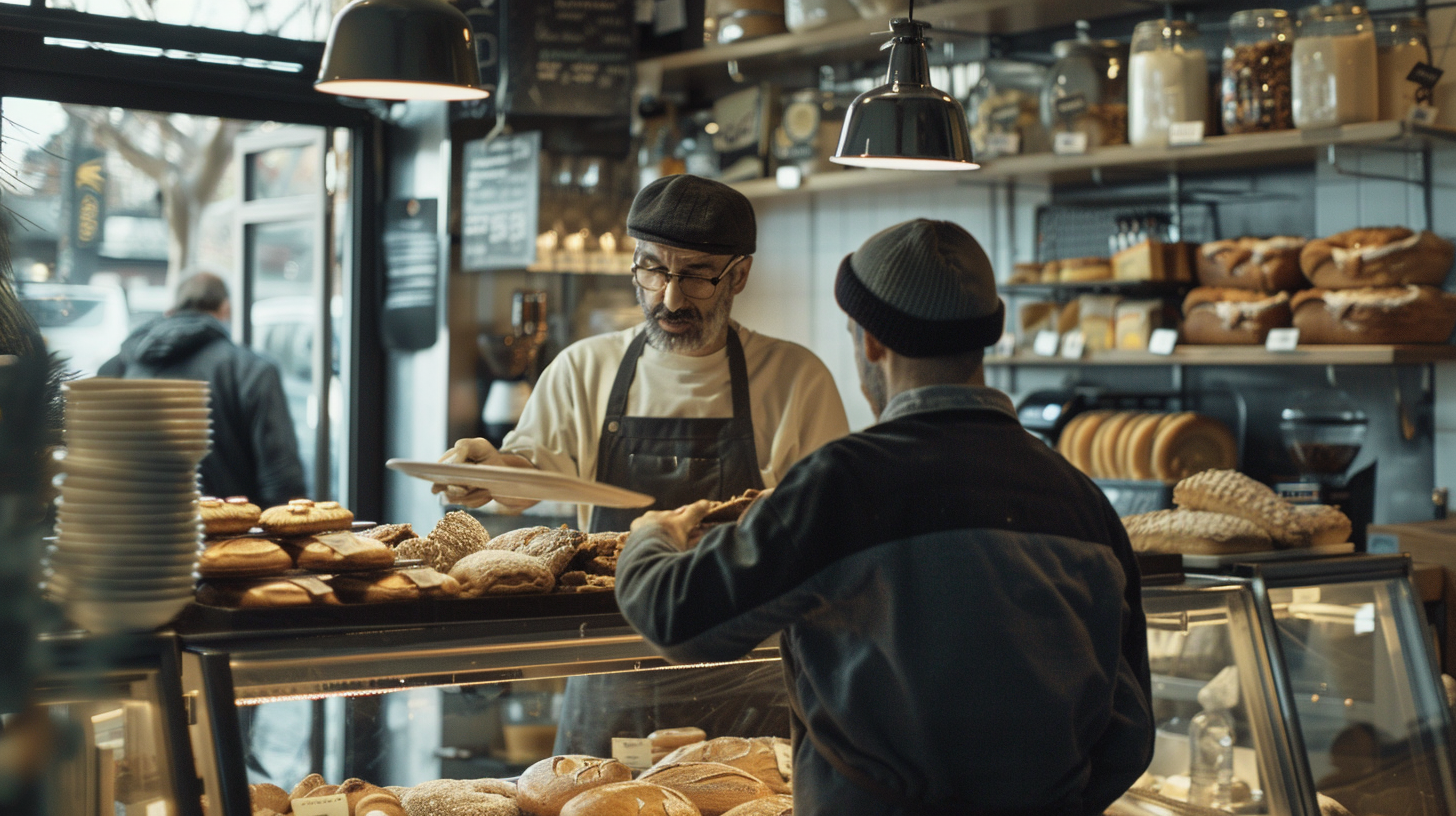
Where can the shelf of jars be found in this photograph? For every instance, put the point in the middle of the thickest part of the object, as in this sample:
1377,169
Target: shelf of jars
1232,152
1243,356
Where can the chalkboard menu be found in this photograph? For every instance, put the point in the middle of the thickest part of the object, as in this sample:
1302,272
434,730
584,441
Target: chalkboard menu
412,273
569,57
498,207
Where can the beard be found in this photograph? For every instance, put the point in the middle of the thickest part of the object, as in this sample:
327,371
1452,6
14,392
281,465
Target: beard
871,377
703,327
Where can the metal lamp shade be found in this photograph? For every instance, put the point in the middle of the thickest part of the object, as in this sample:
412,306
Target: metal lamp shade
401,49
906,124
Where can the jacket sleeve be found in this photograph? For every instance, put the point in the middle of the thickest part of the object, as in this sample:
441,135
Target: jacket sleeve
275,446
112,368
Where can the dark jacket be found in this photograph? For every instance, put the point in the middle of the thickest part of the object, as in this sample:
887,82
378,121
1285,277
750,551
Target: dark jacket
254,450
961,616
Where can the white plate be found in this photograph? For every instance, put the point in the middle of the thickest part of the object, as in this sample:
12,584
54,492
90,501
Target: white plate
109,616
105,517
523,483
80,495
105,468
120,484
1210,561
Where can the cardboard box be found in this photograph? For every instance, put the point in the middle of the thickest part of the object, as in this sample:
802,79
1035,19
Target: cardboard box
1428,542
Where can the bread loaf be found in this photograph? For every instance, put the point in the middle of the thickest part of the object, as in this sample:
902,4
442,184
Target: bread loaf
668,739
777,805
629,799
341,552
1082,270
379,803
356,789
1325,525
713,787
1233,316
305,785
243,558
555,547
234,514
756,756
391,534
1194,532
1233,493
1257,264
268,796
264,594
1188,443
502,572
1104,443
1401,314
461,797
1377,256
1136,456
549,784
403,585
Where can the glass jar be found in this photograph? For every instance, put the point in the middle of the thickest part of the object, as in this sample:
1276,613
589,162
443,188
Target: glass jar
1086,91
1334,73
1255,90
1167,80
1399,45
1004,109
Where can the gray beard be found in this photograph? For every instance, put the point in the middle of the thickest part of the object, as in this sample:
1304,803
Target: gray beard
705,329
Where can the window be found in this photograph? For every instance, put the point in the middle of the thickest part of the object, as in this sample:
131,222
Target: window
293,19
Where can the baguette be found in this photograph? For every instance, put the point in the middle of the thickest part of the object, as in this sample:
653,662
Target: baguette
1234,494
1194,532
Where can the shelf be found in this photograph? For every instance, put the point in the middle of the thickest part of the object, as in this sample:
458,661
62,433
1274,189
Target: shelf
1126,289
1216,152
1244,356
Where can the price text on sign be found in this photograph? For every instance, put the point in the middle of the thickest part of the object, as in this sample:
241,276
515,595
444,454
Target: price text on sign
1185,133
1003,144
1070,143
1045,344
333,805
635,753
1163,341
1282,340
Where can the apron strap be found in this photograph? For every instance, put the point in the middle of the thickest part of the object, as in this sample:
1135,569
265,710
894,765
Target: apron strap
622,385
742,425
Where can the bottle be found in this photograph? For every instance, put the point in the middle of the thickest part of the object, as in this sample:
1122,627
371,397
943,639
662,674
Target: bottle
1211,742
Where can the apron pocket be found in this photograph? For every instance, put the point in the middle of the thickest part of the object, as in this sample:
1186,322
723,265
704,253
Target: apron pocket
675,480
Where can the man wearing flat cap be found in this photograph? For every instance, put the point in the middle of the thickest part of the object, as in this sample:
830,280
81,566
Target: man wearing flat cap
959,608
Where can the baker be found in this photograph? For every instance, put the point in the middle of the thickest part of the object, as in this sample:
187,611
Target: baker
687,405
960,609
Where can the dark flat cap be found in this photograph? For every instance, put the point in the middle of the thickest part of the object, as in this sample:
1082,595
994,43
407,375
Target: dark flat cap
691,212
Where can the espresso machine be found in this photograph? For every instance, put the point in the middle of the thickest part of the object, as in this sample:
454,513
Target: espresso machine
1323,432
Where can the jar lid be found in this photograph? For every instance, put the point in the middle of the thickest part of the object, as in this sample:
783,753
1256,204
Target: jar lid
1260,18
1334,12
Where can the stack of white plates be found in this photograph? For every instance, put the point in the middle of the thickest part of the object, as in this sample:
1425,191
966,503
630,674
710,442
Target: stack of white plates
128,534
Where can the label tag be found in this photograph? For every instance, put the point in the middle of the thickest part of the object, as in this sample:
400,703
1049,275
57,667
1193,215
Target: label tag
1421,114
789,177
1382,543
1045,343
1073,344
1425,75
1006,346
1305,595
1006,115
784,755
1069,143
1163,341
1071,106
1181,134
335,804
634,752
344,543
1003,144
1282,340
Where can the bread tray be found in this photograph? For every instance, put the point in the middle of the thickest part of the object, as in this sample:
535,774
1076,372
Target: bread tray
1221,562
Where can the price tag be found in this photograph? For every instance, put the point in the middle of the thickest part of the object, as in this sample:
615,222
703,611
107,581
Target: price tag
634,752
1006,346
1182,134
1425,75
1003,144
1045,343
1005,116
1421,115
1070,143
1282,340
1382,543
1071,106
1073,344
1305,595
336,804
789,177
1163,341
784,755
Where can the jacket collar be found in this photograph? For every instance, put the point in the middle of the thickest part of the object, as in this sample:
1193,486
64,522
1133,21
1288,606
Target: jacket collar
947,398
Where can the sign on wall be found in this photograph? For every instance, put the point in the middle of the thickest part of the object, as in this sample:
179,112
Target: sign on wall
499,203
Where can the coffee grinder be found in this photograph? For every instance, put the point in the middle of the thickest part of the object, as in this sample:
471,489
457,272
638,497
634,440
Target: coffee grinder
1323,433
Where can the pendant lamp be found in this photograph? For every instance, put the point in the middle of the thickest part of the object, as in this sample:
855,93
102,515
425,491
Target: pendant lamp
401,49
906,124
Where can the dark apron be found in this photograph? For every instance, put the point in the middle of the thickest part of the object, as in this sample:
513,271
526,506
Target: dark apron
678,461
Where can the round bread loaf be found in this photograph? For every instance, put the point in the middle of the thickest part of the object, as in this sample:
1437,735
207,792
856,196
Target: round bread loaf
1194,532
461,797
713,787
356,789
382,803
395,586
1189,443
243,558
264,795
343,551
305,785
630,799
755,756
668,739
552,782
234,514
1377,256
1080,446
1258,264
1214,316
391,534
1398,314
777,805
1137,446
501,572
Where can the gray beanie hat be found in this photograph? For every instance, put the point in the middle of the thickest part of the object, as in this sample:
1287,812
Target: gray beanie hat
923,288
691,212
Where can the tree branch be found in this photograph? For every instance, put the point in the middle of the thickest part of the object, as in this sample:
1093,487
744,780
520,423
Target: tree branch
215,160
154,166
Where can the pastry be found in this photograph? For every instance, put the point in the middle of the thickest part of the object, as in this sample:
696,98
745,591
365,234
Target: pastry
597,555
777,805
342,552
1081,270
1233,493
391,534
272,797
305,785
401,585
668,739
302,517
1377,256
1188,443
501,572
243,558
278,592
1396,314
713,787
755,756
629,799
1194,532
555,547
231,515
1258,264
1214,316
461,797
554,781
1325,525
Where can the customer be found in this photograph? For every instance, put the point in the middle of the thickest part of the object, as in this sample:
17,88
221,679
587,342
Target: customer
962,628
254,450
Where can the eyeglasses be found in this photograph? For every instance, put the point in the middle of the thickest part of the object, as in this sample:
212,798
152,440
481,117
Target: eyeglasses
655,280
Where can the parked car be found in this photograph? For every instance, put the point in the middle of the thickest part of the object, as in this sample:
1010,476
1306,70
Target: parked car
85,324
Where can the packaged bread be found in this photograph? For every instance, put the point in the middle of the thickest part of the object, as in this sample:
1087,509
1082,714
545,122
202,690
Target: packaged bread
1232,493
1255,264
630,799
755,756
1377,256
340,551
502,572
713,787
1134,323
1393,314
411,584
549,784
1214,316
1096,317
1194,532
243,558
1084,270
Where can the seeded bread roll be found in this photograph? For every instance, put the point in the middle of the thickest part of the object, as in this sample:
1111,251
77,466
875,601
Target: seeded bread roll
502,572
630,799
549,784
755,756
1233,493
1259,264
461,797
1377,256
777,805
1233,316
556,548
268,796
1398,314
455,536
243,558
713,787
1194,532
1325,525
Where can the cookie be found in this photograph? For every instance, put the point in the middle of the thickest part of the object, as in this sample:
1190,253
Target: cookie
231,515
341,552
391,534
243,558
302,517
